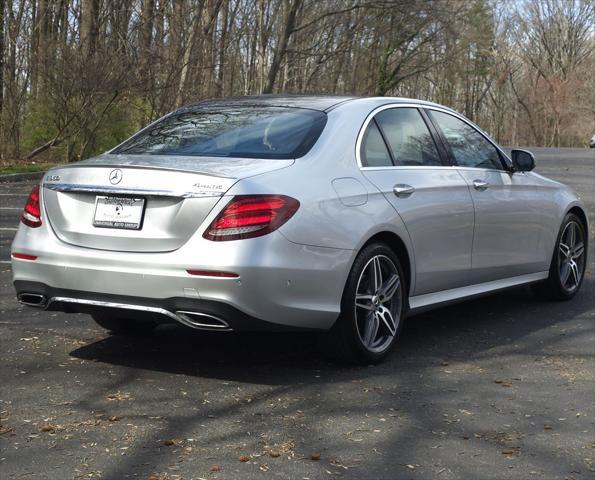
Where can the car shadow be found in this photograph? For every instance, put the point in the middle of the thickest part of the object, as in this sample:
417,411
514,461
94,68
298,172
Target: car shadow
463,331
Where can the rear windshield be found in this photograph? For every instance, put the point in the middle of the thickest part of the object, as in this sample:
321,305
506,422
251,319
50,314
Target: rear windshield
248,132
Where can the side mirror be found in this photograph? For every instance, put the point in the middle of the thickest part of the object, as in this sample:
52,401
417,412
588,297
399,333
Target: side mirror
522,160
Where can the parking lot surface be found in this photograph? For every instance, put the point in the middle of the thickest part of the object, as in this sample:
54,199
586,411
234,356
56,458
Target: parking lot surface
498,387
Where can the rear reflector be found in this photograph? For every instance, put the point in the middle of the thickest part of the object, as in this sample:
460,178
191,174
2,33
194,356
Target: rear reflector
213,273
31,215
249,216
24,256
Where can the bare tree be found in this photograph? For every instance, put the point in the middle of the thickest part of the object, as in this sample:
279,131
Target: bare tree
78,76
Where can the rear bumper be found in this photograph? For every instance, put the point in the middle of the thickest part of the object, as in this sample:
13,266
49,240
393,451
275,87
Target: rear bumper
193,313
280,283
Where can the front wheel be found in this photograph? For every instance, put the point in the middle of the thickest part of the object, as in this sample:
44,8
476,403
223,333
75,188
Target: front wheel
372,307
568,263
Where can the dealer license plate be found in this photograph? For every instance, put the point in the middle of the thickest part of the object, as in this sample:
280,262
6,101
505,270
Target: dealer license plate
119,212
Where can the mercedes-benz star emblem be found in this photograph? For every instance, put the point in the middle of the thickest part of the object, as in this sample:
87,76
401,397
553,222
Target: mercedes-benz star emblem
115,176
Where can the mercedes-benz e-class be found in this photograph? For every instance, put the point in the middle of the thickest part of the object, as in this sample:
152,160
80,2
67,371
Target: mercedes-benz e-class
334,214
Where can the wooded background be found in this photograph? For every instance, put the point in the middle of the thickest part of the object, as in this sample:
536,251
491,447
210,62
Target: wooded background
79,76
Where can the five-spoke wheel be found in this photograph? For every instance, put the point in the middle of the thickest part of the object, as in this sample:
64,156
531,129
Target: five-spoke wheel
571,250
378,303
372,306
568,262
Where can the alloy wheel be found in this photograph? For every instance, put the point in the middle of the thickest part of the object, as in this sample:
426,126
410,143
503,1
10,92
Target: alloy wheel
378,303
571,256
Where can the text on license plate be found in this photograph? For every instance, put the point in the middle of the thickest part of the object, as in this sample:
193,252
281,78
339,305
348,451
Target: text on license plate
119,212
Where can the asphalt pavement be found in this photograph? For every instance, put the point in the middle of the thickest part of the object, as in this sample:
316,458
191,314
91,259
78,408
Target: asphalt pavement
501,387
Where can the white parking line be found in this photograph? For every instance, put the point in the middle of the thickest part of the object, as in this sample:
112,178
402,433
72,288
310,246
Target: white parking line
8,229
13,194
10,208
5,261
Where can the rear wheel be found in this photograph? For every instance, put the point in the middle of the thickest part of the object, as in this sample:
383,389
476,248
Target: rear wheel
124,326
568,264
372,307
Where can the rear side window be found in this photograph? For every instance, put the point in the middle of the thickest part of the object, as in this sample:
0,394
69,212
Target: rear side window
408,137
469,147
245,132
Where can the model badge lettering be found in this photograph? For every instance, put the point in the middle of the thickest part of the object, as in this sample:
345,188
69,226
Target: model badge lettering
52,178
208,186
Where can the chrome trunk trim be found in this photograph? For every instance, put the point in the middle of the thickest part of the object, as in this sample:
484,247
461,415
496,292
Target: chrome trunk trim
74,187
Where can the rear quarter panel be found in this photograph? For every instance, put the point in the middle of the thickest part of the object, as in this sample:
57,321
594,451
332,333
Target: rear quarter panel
329,215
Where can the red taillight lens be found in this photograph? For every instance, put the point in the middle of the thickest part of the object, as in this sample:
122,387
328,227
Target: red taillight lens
249,216
31,215
213,273
24,256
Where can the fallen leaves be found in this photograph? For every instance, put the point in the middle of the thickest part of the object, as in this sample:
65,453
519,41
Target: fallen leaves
50,428
244,458
278,449
5,429
503,383
158,476
118,396
511,443
315,457
511,452
215,468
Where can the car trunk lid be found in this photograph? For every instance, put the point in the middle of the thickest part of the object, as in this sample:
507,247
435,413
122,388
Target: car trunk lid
138,203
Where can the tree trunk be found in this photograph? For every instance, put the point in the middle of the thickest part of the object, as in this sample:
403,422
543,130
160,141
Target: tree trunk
221,53
89,26
2,3
146,34
292,7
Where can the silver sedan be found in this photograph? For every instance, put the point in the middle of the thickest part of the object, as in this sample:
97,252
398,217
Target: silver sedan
335,214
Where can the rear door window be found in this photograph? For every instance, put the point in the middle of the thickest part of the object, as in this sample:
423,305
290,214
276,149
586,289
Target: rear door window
408,137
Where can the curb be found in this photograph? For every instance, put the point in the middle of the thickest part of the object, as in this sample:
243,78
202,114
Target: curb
21,177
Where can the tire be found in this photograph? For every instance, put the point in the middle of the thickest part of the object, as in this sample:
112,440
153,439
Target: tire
362,334
124,326
567,268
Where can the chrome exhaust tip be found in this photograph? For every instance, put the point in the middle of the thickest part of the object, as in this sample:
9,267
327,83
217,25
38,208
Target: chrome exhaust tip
33,299
203,321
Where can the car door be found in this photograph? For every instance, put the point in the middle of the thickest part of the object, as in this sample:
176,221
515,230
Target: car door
509,235
399,155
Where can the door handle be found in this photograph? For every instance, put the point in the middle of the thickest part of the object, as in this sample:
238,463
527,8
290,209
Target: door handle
480,184
402,190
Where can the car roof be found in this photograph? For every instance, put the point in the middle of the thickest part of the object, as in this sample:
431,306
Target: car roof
322,103
312,102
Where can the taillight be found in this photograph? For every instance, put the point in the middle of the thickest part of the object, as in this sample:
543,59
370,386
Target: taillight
213,273
24,256
31,215
249,216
